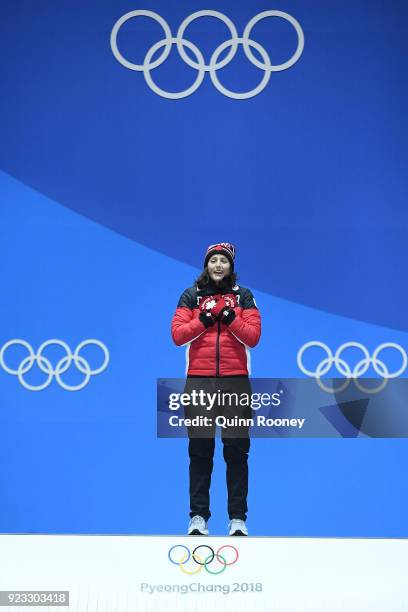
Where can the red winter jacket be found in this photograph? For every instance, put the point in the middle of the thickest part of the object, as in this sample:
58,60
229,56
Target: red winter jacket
219,350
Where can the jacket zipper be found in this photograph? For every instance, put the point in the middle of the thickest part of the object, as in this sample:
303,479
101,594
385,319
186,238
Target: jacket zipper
217,372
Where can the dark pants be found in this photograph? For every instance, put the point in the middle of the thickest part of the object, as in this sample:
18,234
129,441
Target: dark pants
236,444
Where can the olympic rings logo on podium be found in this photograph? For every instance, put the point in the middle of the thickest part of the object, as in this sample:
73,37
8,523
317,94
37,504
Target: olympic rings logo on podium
199,64
62,366
193,563
360,368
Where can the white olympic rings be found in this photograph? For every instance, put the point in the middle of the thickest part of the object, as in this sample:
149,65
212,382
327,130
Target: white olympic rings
45,365
360,368
232,43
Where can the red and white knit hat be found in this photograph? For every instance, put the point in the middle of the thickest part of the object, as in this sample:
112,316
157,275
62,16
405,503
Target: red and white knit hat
224,248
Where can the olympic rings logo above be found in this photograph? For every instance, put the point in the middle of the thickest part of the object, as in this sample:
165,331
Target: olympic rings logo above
45,365
360,368
199,64
193,563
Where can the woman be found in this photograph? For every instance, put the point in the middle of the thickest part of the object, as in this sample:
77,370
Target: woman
218,321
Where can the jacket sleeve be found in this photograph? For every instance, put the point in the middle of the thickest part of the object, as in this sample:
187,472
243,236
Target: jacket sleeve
247,326
185,327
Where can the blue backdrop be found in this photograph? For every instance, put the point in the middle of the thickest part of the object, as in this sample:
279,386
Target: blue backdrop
109,196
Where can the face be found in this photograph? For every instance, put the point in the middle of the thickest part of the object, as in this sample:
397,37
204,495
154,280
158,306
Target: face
218,267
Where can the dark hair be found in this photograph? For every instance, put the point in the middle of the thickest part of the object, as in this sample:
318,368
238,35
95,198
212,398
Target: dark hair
204,279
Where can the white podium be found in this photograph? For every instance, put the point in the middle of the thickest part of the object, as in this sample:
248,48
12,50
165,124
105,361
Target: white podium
104,573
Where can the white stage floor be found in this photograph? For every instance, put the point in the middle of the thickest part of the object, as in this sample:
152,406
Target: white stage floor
126,573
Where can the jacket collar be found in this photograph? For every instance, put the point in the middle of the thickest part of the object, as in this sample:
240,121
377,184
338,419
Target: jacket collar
212,289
